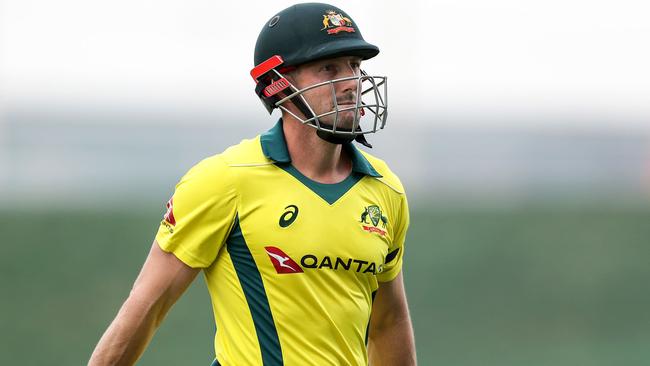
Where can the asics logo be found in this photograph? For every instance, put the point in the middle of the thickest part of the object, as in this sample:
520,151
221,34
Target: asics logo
289,216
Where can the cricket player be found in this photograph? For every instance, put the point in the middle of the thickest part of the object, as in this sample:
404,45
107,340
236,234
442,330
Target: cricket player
300,235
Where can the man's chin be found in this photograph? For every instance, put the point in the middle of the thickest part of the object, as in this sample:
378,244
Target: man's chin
340,125
344,123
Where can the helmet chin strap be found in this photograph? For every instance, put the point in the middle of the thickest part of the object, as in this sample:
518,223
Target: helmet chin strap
340,139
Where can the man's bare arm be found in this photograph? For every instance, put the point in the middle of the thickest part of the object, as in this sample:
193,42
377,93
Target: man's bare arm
162,280
391,341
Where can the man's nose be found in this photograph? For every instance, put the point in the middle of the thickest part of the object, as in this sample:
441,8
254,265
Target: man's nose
350,84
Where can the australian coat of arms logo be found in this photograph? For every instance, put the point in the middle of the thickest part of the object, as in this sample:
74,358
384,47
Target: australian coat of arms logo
373,215
335,22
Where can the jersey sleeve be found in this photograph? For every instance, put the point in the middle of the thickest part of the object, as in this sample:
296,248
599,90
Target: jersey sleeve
393,262
200,214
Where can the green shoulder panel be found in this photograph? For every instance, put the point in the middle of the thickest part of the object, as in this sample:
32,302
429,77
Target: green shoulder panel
388,177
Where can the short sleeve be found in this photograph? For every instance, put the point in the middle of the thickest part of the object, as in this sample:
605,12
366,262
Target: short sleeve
200,214
393,262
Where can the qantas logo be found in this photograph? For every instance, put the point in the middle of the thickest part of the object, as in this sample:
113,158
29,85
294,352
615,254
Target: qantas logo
282,262
169,221
169,214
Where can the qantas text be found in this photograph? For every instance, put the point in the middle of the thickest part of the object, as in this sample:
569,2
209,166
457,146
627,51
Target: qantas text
349,264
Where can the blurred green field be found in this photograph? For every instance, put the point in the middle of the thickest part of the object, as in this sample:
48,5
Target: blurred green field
531,286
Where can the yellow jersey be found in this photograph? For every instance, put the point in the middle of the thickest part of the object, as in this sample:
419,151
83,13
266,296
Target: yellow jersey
291,265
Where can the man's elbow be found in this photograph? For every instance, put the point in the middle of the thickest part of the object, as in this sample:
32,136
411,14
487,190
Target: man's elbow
143,308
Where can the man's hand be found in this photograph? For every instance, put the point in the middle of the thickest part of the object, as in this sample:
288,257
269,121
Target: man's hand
391,341
162,280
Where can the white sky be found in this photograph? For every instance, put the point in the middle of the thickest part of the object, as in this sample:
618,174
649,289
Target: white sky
587,59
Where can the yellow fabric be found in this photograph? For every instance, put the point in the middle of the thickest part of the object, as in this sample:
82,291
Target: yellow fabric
321,314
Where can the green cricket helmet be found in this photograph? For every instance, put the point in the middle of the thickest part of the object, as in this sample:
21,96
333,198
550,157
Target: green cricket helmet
309,32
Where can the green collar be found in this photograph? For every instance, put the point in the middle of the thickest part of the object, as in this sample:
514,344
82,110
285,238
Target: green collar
274,147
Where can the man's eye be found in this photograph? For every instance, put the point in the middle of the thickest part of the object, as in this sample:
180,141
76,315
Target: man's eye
327,68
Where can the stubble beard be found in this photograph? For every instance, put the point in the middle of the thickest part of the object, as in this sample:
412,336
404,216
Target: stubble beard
345,119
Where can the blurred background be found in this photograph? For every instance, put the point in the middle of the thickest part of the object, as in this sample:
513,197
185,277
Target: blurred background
521,131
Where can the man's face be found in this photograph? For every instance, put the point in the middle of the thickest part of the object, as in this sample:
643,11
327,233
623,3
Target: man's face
320,99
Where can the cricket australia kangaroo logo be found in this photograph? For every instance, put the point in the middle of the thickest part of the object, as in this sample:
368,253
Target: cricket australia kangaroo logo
336,22
373,212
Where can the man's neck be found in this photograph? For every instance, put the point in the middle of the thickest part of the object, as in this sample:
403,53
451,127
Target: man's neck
314,157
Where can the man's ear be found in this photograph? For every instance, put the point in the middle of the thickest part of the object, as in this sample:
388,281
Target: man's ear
291,76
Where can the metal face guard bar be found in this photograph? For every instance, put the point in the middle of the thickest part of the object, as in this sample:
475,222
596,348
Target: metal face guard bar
377,105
